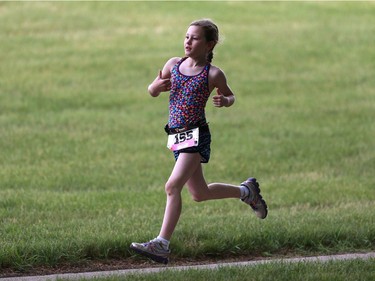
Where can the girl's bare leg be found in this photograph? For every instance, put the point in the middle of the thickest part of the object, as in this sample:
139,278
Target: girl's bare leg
200,191
186,165
188,169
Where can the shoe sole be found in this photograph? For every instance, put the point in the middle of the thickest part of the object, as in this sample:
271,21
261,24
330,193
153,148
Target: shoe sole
265,207
156,258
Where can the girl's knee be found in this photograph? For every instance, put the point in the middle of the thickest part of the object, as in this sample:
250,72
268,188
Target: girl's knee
199,197
199,193
172,188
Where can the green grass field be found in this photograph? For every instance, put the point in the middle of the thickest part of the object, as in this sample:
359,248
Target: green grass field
83,153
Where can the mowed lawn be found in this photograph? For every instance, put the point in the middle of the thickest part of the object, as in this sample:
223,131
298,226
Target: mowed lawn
83,157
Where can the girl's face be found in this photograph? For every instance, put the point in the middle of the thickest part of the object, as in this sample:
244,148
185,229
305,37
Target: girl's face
195,42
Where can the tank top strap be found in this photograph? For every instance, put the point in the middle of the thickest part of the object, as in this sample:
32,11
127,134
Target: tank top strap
181,61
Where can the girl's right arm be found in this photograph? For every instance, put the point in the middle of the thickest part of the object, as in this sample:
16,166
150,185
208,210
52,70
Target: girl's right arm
162,82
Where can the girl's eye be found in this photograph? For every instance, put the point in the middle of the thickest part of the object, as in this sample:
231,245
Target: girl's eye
193,38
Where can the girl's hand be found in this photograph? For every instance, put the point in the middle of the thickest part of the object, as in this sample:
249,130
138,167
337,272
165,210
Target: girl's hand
164,84
219,99
159,85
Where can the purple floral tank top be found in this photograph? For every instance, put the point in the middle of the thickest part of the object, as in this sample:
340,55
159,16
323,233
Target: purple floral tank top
188,97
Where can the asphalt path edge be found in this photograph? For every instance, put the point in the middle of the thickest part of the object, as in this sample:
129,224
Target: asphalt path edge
112,273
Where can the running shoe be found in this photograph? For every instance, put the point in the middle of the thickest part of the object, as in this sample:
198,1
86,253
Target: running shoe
254,199
153,250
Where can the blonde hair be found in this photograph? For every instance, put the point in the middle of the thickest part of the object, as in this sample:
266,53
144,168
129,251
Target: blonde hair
211,33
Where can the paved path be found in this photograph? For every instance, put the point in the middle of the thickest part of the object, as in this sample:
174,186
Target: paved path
88,275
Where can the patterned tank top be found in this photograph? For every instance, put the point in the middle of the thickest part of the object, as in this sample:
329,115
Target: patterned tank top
188,97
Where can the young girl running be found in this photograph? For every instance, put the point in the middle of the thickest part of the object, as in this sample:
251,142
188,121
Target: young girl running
191,80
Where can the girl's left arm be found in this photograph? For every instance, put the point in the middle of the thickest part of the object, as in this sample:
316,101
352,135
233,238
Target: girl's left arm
224,95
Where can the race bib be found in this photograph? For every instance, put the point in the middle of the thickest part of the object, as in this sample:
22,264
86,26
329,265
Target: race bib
183,140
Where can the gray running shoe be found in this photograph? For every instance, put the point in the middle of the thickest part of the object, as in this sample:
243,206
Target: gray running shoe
153,250
254,199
